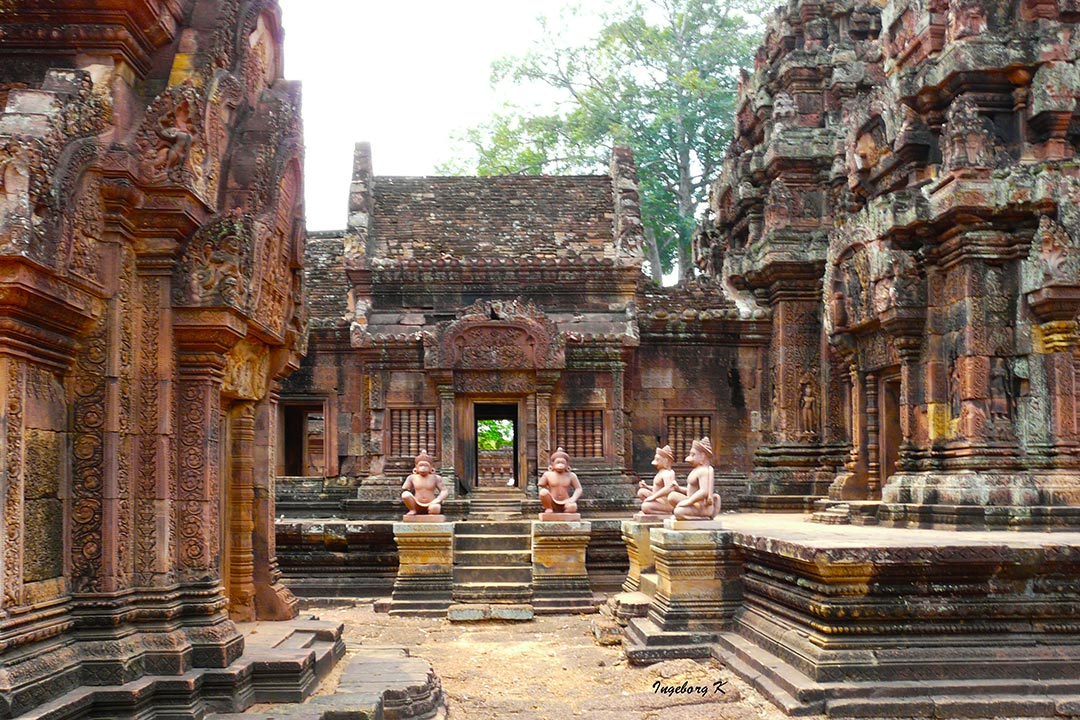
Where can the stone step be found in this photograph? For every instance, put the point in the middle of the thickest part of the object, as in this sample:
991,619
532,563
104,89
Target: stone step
493,574
492,543
480,612
783,680
504,527
487,558
647,643
509,593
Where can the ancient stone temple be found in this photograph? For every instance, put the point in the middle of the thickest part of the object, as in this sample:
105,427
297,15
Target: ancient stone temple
151,241
901,195
449,301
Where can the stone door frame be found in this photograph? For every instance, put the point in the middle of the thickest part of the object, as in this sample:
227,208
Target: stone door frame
465,463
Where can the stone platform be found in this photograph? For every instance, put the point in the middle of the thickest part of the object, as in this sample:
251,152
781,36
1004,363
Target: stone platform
866,621
282,662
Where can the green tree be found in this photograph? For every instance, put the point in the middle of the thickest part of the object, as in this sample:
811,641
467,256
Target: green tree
494,434
659,76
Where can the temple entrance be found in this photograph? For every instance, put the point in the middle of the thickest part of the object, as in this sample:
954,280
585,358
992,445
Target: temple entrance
303,439
496,444
891,433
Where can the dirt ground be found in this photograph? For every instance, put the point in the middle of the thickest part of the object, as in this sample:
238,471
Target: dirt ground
550,669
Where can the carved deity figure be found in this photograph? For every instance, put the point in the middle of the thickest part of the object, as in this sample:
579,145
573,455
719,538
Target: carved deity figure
177,145
1000,395
423,491
657,499
559,485
966,141
808,415
700,502
954,386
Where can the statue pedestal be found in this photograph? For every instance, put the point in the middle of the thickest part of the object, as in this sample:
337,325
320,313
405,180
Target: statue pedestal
635,533
560,580
424,583
548,516
423,518
698,589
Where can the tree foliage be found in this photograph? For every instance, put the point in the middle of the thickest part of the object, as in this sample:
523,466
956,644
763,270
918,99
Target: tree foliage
494,434
659,76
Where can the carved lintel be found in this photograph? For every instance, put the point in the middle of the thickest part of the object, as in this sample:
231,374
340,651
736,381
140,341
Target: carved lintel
207,332
1055,303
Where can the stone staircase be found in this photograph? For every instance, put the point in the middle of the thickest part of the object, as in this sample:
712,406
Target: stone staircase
492,562
497,503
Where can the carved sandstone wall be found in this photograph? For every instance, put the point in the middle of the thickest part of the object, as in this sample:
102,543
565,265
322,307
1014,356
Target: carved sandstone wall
151,238
900,191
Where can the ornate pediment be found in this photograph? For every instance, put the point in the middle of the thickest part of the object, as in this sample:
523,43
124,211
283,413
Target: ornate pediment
496,335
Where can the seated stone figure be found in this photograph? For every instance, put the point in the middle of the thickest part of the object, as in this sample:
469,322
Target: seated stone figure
423,491
699,502
559,485
657,499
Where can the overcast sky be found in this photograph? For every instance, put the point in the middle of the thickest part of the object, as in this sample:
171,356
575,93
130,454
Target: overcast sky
401,74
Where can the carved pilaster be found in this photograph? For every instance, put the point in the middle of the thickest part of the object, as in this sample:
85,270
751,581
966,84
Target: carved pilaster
543,435
273,601
241,506
909,357
12,395
618,411
203,338
155,477
446,454
873,465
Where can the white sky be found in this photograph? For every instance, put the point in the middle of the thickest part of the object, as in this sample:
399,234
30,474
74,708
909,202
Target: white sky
401,74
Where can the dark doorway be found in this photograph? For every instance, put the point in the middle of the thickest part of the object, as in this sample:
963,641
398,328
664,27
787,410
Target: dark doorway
304,435
495,450
891,434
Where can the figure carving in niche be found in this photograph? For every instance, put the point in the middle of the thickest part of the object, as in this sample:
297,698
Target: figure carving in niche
784,111
808,410
216,272
870,147
177,145
967,141
658,499
838,310
853,284
966,18
559,487
700,502
1001,399
423,491
954,386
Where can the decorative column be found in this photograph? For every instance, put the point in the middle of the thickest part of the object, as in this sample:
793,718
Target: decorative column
446,453
241,508
618,411
908,349
156,476
203,337
273,601
873,465
12,400
543,433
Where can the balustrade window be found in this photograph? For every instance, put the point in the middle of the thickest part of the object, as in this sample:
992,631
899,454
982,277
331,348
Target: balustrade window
683,430
412,430
580,432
